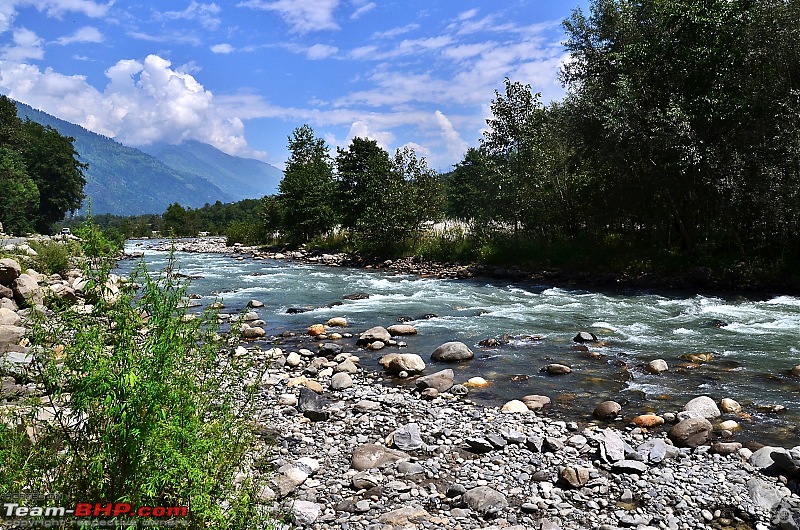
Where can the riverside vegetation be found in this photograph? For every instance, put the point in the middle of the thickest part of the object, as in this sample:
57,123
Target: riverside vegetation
674,152
112,393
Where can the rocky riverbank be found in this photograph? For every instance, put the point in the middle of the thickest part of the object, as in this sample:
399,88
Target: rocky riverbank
353,453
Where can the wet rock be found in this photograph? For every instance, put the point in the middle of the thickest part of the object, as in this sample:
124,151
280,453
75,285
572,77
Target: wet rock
788,460
356,296
703,406
698,358
441,381
401,329
691,432
395,363
648,421
407,437
557,369
607,410
315,330
515,406
585,336
336,322
477,382
253,332
298,310
452,352
329,349
485,501
657,366
796,371
255,303
377,333
535,402
729,425
376,345
730,406
725,448
374,456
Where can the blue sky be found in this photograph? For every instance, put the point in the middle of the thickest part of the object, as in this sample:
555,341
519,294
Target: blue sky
241,75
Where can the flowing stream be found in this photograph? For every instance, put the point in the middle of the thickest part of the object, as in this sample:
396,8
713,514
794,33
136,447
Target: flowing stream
752,352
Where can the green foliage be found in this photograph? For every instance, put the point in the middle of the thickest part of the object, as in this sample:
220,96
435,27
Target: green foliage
248,233
307,189
148,408
19,196
53,257
94,243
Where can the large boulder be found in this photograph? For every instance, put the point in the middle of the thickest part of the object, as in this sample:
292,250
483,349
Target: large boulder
10,335
376,334
401,329
441,381
452,352
9,317
402,362
703,406
27,291
691,432
9,271
607,410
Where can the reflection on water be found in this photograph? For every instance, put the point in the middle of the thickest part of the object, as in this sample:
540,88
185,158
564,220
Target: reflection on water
752,351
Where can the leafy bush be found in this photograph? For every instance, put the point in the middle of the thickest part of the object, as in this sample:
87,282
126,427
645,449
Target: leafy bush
244,232
53,257
149,407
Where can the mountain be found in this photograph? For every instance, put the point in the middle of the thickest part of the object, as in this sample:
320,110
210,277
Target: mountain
126,181
241,178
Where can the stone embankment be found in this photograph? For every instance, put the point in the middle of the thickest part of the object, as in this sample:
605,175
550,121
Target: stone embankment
354,453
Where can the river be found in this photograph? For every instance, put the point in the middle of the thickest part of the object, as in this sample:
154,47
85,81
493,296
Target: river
757,343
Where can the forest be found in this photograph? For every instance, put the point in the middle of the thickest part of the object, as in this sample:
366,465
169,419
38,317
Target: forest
676,145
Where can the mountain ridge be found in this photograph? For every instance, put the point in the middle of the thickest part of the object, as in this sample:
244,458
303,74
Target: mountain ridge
124,180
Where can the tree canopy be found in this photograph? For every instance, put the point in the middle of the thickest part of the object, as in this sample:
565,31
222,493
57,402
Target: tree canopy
41,178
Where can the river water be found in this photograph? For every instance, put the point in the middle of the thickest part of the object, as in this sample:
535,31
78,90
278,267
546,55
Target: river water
752,352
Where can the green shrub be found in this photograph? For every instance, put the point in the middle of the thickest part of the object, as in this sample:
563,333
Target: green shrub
150,408
53,257
244,232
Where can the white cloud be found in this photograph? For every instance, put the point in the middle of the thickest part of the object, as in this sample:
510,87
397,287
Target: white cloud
57,8
84,34
206,14
7,15
395,32
466,15
362,9
302,15
321,51
27,45
143,102
362,129
174,37
454,145
222,48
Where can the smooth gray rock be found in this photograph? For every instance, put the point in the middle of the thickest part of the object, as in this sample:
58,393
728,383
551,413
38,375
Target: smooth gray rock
374,456
691,432
312,405
704,406
485,500
442,381
629,466
341,381
585,336
763,494
305,513
452,352
607,410
378,333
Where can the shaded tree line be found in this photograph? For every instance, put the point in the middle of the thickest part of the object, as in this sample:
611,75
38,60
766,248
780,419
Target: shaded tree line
41,178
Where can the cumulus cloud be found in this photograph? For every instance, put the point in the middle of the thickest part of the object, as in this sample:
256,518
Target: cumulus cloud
302,15
205,14
454,144
26,45
362,129
57,8
321,51
223,48
7,15
84,34
144,102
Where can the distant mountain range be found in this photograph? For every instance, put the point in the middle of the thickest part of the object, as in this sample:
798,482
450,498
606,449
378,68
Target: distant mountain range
127,181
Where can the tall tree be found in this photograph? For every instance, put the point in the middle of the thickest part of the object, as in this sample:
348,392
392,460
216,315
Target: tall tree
307,190
19,196
363,170
53,164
